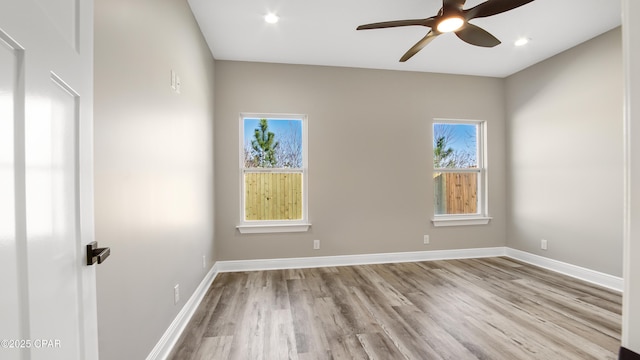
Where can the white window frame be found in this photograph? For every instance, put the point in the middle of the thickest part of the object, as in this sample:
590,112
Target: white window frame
275,226
482,216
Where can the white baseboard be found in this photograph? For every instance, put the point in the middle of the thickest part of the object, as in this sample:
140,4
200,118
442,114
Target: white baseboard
170,337
595,277
363,259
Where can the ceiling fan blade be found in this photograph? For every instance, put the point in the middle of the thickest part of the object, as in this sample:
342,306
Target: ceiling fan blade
387,24
418,46
493,7
475,35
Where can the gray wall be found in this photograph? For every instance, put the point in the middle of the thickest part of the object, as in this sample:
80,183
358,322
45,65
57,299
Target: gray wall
565,156
370,179
153,168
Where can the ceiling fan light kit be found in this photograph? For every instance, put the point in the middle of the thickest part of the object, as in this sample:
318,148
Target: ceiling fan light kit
453,18
450,24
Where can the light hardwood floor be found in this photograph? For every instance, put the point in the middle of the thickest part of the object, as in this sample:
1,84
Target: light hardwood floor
493,308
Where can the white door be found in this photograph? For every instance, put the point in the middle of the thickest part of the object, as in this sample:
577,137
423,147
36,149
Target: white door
47,291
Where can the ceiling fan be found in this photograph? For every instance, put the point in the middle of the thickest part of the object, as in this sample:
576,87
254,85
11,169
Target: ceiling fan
453,18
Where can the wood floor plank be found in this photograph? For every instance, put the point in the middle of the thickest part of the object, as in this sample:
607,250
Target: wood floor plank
456,324
338,330
402,336
348,347
192,337
441,341
253,325
230,307
281,341
310,339
214,348
381,285
350,307
471,309
378,346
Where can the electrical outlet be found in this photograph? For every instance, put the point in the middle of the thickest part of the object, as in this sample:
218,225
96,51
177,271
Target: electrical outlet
176,294
204,262
426,239
173,80
543,244
316,244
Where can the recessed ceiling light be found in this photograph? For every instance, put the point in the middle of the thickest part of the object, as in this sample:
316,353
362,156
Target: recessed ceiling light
521,42
271,18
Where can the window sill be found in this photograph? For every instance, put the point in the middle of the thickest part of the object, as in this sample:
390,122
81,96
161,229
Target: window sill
272,228
460,221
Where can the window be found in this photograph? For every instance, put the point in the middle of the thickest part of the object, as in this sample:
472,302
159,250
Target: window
459,173
273,165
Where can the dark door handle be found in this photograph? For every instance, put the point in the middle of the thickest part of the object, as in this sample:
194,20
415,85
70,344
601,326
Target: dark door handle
94,253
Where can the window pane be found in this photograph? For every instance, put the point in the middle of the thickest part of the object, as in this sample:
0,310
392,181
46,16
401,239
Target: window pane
273,196
272,143
455,193
455,146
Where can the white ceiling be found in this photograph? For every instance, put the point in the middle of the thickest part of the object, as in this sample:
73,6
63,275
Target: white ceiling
324,33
